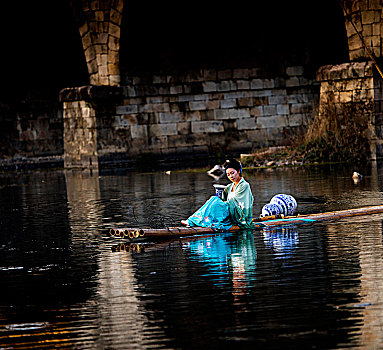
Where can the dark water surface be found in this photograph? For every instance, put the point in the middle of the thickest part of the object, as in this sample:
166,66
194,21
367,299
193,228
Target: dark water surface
66,284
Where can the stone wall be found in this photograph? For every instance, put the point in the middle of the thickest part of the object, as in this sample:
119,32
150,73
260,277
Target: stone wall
366,18
198,114
80,138
354,88
210,111
31,126
87,110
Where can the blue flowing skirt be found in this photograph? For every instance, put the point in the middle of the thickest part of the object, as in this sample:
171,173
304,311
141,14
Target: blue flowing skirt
214,213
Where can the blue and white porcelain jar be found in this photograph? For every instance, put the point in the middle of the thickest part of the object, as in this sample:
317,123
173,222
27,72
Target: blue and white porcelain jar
286,202
271,209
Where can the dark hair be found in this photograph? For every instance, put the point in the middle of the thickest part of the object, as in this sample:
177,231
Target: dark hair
232,163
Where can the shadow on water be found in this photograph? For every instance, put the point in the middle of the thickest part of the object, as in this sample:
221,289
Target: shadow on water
68,284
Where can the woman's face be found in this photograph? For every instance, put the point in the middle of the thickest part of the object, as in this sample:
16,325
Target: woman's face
233,175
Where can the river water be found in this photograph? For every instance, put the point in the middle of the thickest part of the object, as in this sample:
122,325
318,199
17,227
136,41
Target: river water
66,283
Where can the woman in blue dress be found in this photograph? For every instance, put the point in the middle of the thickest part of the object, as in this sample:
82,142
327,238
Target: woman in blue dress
235,207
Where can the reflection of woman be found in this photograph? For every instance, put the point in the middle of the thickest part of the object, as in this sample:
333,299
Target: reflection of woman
228,253
234,208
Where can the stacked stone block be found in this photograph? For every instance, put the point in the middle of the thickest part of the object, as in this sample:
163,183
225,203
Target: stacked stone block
100,22
229,110
349,82
39,134
356,84
80,135
364,17
31,126
86,132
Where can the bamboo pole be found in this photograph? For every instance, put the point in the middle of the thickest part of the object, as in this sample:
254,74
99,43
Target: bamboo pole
135,233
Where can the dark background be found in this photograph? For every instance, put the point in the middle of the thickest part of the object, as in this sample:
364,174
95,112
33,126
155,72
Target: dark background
42,46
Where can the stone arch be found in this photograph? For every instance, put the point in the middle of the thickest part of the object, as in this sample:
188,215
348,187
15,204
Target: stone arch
99,26
357,85
363,21
167,111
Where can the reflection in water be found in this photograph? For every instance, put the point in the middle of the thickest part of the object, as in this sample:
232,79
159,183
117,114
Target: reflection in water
230,257
363,256
228,253
282,240
371,291
67,284
120,321
128,247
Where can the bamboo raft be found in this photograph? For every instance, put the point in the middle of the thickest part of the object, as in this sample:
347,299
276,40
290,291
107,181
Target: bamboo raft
270,221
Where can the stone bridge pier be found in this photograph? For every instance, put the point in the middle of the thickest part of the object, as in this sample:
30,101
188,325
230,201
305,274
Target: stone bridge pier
99,24
211,111
357,85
